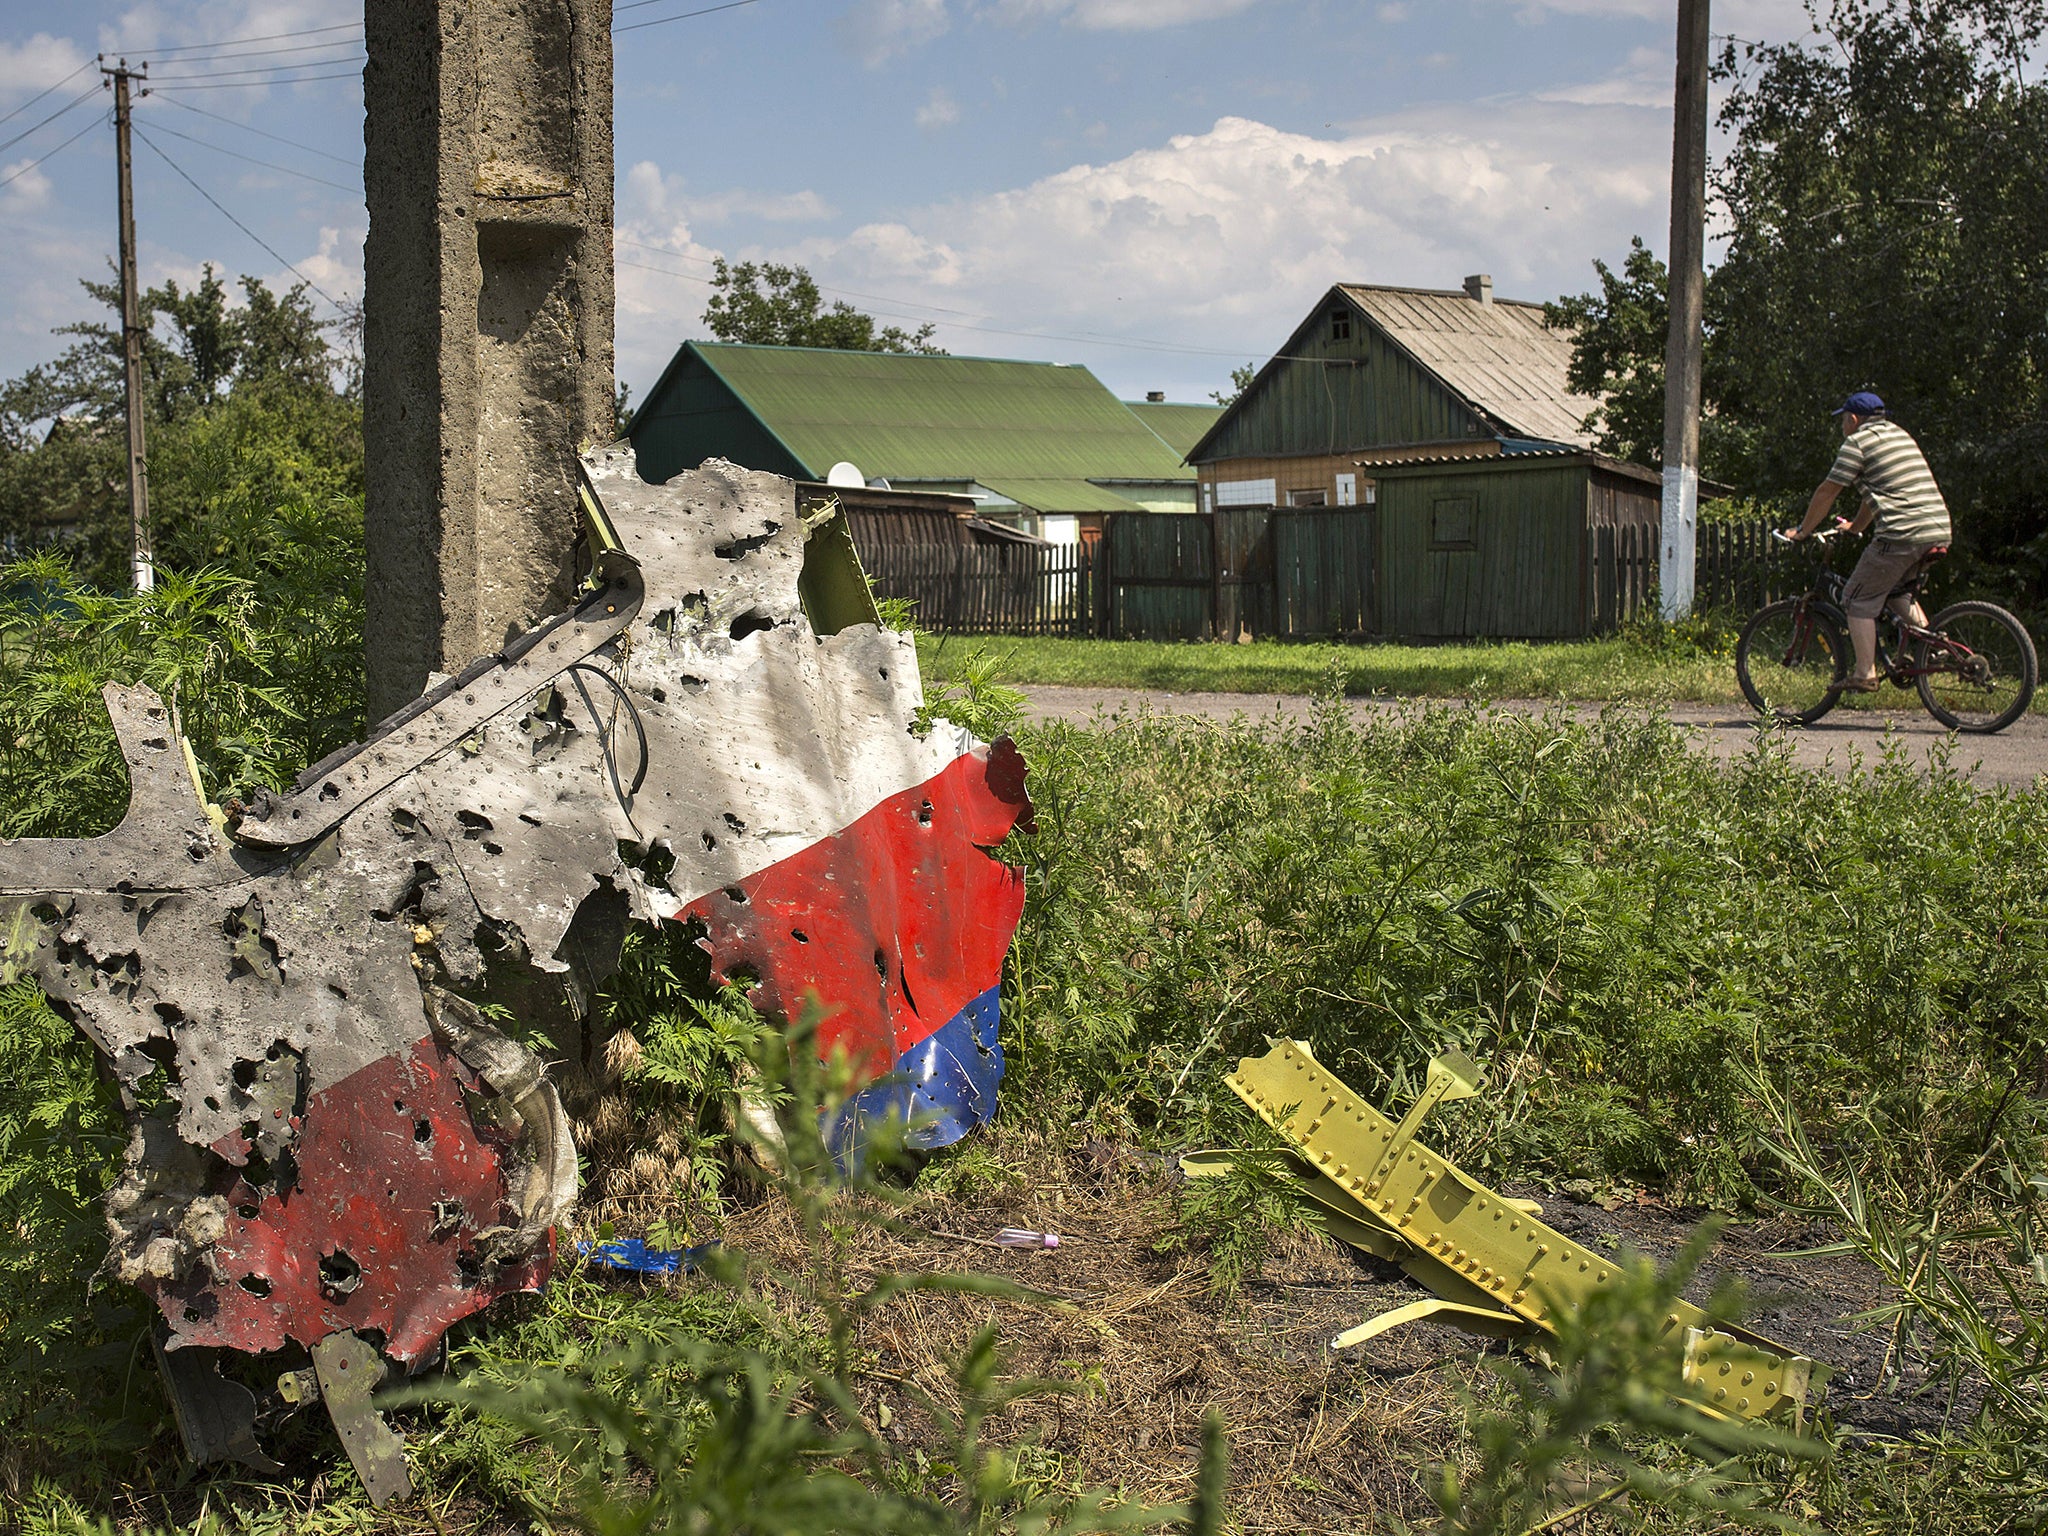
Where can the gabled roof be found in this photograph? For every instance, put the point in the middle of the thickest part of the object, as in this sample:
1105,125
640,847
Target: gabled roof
1499,356
912,417
1179,426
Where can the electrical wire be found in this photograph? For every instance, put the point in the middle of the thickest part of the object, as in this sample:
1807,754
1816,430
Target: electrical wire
662,21
91,90
245,229
266,69
46,90
16,176
186,106
238,85
267,37
268,165
260,53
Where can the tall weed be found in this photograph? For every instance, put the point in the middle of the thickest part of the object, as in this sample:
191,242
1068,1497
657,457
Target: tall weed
1608,920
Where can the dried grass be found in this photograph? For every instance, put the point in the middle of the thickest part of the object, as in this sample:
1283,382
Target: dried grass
1317,1442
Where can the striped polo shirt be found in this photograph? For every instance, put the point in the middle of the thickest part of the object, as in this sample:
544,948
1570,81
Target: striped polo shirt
1882,460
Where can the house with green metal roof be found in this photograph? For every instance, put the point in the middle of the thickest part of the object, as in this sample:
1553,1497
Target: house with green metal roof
1043,445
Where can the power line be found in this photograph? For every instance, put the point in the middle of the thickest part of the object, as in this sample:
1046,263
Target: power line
241,85
245,229
186,106
259,53
91,90
88,128
39,95
662,21
265,69
268,165
267,37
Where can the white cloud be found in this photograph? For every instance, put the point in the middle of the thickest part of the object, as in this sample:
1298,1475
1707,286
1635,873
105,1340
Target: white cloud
38,63
1223,239
939,111
658,195
1121,15
1392,13
878,30
1773,20
23,187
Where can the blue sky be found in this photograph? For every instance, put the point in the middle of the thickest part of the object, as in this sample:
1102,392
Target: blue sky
1158,189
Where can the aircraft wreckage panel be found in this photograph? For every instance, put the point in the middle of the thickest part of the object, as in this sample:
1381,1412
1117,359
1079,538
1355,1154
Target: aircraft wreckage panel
329,1141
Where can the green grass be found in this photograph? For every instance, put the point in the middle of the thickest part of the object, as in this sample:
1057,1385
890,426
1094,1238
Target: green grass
1697,668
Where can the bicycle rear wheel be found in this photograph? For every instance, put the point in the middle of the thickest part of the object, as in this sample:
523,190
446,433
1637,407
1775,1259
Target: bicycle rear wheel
1791,660
1985,669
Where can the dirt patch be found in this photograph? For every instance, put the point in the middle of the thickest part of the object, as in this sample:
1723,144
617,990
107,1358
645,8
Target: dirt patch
1318,1441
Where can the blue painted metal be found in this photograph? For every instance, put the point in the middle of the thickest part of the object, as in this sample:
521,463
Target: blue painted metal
943,1087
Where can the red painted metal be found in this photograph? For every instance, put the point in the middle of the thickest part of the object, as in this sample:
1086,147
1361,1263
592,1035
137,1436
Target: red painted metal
391,1178
897,922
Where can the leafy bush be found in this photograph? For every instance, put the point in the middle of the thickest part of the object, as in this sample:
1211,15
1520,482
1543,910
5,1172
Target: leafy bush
262,663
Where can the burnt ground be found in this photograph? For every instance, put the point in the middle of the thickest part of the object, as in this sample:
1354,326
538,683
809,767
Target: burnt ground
1318,1441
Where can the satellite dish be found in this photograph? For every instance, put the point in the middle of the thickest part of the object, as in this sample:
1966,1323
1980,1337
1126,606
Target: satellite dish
844,474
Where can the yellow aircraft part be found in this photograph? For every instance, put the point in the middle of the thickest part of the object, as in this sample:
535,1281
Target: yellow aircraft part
1500,1268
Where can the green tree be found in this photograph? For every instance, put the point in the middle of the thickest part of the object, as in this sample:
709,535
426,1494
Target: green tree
1240,381
771,305
247,406
1888,230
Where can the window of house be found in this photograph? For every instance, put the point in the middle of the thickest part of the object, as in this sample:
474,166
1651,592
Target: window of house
1340,324
1245,493
1347,490
1308,498
1372,492
1453,523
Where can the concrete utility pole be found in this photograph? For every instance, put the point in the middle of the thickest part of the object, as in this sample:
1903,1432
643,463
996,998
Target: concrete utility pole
1688,283
142,566
487,333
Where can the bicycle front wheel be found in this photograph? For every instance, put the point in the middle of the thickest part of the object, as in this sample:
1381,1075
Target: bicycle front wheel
1982,671
1791,660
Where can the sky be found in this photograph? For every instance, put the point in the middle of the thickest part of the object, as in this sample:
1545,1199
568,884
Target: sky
1159,190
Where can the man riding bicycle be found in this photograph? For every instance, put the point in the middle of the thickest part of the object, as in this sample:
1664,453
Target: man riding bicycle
1881,459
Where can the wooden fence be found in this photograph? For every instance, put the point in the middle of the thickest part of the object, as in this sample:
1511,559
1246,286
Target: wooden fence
1292,572
991,589
1736,568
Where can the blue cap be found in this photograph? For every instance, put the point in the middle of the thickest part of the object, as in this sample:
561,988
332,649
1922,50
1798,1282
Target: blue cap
1862,403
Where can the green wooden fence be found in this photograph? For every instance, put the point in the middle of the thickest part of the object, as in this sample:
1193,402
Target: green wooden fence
1296,572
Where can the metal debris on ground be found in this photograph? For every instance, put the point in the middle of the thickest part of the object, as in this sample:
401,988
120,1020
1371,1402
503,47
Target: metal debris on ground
1496,1269
632,1255
330,1138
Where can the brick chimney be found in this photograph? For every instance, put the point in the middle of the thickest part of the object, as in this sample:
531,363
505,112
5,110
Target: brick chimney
1479,286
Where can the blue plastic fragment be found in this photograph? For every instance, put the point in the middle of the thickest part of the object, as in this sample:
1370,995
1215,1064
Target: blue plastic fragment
632,1255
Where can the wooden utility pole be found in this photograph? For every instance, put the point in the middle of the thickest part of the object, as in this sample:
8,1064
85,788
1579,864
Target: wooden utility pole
140,562
1688,282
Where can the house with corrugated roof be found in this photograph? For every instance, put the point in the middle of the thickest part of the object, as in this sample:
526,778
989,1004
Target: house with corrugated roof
1041,445
1447,417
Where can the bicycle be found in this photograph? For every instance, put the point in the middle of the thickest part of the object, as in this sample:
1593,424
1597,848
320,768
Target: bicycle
1973,663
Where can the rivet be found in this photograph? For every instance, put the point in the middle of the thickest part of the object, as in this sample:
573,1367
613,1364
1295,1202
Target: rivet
1748,1377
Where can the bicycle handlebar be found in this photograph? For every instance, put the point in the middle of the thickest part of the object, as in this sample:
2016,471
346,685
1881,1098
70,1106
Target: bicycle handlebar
1822,536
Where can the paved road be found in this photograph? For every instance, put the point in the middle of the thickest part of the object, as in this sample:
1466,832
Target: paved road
2016,755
